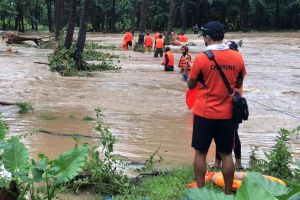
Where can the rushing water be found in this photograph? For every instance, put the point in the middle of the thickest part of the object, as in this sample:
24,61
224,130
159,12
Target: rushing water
145,106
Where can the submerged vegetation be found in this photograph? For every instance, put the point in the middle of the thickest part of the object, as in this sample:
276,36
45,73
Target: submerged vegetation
62,61
24,107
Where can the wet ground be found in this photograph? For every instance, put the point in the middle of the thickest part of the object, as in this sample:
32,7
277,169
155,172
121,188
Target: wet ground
144,106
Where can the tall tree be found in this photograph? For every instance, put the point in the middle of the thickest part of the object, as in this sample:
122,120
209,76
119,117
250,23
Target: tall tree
49,14
81,35
172,16
112,20
183,16
58,18
71,25
142,25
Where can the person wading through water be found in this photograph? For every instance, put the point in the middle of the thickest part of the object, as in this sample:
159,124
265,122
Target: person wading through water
213,107
127,41
148,43
237,143
168,60
184,63
159,46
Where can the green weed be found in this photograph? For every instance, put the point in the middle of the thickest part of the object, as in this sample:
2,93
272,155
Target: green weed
48,117
25,107
88,118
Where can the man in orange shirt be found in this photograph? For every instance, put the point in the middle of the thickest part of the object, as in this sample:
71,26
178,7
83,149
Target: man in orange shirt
168,60
213,107
159,46
148,43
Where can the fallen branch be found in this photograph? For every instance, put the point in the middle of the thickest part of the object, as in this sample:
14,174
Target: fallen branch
14,38
41,63
66,134
4,103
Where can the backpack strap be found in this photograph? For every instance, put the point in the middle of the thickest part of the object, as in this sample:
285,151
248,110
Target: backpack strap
211,56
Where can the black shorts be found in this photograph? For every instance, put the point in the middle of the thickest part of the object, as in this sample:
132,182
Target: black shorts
221,130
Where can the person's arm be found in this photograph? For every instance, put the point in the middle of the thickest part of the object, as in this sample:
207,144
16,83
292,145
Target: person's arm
191,83
239,81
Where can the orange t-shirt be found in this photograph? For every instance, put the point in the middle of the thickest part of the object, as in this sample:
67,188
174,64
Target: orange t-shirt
128,37
148,41
213,100
159,43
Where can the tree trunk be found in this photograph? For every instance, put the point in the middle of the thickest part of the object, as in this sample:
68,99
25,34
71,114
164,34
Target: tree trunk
183,15
71,25
58,18
244,6
113,16
36,14
81,35
172,15
142,26
143,16
49,12
278,13
203,12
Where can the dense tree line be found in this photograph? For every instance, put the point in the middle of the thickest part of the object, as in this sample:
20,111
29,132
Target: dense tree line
121,15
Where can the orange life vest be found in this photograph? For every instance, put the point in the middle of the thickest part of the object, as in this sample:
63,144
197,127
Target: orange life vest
171,58
183,38
128,37
148,41
183,62
159,43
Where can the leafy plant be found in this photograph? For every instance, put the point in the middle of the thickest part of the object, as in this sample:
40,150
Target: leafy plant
25,107
280,157
88,118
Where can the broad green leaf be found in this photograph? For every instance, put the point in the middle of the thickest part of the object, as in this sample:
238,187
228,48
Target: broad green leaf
15,157
293,193
205,194
274,188
252,190
69,164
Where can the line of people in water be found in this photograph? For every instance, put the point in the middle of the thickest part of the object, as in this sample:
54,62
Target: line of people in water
160,49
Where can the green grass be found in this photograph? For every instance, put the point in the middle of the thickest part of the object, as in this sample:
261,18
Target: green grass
48,117
171,185
25,107
88,118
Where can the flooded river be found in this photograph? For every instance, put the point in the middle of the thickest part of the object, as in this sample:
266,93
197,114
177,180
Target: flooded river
144,106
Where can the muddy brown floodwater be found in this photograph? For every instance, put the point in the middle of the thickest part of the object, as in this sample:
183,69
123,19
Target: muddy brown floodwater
144,106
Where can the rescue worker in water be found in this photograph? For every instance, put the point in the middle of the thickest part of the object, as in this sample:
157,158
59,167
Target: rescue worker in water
127,41
148,43
185,62
168,60
159,46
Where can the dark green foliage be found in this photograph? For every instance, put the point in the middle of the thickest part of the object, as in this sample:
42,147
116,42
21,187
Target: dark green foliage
62,61
120,15
279,159
25,107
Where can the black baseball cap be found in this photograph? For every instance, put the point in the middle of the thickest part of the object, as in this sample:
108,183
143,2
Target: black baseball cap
212,28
